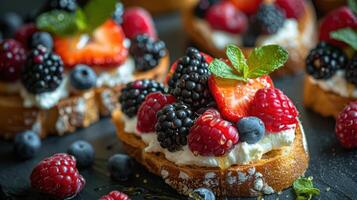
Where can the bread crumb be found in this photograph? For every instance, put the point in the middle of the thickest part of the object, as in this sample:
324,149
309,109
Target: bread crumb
328,189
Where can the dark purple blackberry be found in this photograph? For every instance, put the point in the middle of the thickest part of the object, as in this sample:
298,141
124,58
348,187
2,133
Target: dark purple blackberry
269,19
351,70
324,60
202,7
147,52
173,124
118,13
193,61
134,93
66,5
43,71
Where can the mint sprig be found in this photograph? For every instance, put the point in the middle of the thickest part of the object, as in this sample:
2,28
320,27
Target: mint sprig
261,61
304,188
346,35
352,4
97,11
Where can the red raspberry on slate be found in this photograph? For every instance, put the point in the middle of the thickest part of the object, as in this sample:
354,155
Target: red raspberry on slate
346,126
57,176
293,8
148,109
138,21
24,33
211,135
12,60
225,16
115,195
275,109
340,18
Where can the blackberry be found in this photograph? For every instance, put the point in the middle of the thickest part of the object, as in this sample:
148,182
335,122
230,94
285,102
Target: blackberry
173,125
66,5
202,7
134,93
43,71
351,70
193,61
118,13
324,60
147,52
269,19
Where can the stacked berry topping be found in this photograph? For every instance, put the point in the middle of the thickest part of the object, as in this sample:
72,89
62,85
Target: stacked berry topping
346,126
43,71
12,60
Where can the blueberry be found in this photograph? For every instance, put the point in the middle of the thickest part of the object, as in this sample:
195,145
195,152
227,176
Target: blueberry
41,38
120,166
82,77
118,13
251,129
9,23
202,194
83,152
27,144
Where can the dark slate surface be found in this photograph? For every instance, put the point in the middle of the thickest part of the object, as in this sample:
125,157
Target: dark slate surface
333,168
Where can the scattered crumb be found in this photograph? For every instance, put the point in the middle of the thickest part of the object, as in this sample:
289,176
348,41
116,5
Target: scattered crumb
145,181
279,193
137,175
260,198
328,189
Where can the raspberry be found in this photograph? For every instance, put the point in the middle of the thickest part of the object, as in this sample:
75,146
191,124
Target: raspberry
115,195
24,33
211,135
57,176
274,108
137,21
225,16
12,60
149,108
346,126
293,8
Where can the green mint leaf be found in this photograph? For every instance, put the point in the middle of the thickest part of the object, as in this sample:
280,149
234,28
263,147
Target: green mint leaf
57,22
81,20
353,5
236,56
221,69
98,11
264,60
346,35
304,188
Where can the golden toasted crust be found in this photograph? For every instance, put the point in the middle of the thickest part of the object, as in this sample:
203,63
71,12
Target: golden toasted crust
77,111
326,103
201,34
274,172
160,6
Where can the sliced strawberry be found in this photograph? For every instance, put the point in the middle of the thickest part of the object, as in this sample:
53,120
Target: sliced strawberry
340,18
248,7
104,48
233,97
138,21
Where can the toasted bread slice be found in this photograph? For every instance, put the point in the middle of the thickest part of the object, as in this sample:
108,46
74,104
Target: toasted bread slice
160,6
276,171
76,111
326,103
201,34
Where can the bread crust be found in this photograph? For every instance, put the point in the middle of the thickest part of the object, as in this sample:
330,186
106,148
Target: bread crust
160,6
274,172
77,111
326,103
200,33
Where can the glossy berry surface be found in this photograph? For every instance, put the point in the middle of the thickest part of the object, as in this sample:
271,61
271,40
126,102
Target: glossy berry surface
82,77
202,194
275,109
137,21
211,135
251,129
134,93
346,126
41,38
27,144
83,151
43,71
224,16
147,52
292,8
324,60
115,195
351,70
120,167
203,6
24,34
147,112
249,7
9,23
173,124
57,176
269,19
12,60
